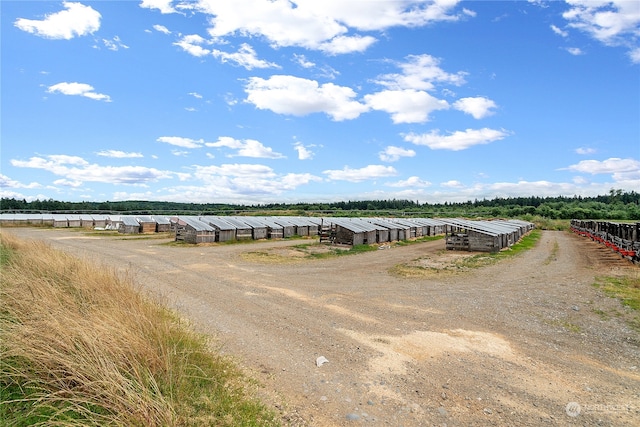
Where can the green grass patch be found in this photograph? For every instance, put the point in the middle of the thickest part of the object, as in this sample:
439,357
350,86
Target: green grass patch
79,346
485,259
627,290
419,240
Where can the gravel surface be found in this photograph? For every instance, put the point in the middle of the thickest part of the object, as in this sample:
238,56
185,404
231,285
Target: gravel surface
527,342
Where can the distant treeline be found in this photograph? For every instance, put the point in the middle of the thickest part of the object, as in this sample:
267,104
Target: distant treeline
617,205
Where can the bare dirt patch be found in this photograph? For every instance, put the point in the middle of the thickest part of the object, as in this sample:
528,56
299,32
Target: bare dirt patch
506,344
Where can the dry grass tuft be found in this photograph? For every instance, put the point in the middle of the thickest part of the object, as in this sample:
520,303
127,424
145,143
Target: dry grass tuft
79,346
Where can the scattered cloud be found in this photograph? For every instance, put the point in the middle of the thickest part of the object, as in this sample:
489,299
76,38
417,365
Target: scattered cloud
613,23
245,57
114,44
575,51
76,20
321,25
452,184
233,181
559,31
420,72
304,152
458,140
161,29
296,96
363,174
411,182
6,182
181,142
478,107
585,150
192,45
78,89
609,166
303,61
245,148
407,105
393,154
195,95
116,154
164,6
74,168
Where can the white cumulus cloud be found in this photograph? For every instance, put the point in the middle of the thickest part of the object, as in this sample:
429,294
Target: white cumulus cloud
76,20
458,140
296,96
608,166
74,168
245,148
393,154
363,174
478,107
411,182
78,89
245,57
420,72
117,154
179,141
329,25
406,106
613,22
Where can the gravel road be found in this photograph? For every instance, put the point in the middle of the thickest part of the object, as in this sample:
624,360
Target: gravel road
527,342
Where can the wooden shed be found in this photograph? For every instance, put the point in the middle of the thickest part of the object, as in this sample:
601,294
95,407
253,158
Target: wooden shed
225,232
259,230
147,224
129,225
243,230
288,227
60,220
192,230
74,221
113,222
351,232
274,230
484,236
86,221
100,221
162,223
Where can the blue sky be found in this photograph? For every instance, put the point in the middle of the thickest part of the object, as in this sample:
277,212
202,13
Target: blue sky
258,101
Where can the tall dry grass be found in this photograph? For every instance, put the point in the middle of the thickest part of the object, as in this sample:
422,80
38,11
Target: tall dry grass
80,346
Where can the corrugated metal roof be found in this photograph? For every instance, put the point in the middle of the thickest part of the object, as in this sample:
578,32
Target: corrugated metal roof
218,222
129,221
196,224
162,220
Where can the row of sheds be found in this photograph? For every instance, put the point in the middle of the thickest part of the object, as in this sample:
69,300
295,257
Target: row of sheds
121,223
484,236
461,234
349,231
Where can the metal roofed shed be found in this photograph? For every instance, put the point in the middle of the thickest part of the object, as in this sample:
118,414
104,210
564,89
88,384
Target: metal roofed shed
288,227
484,236
258,228
128,225
191,229
147,224
349,232
162,223
225,231
243,230
274,230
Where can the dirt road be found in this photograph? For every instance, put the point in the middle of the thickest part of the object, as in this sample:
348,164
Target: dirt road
526,342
